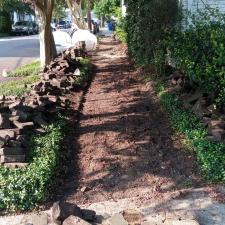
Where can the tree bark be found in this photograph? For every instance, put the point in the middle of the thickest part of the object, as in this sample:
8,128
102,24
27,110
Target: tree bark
76,11
47,43
89,14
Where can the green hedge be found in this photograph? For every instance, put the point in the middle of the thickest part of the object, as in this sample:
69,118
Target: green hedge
199,51
147,22
5,22
211,155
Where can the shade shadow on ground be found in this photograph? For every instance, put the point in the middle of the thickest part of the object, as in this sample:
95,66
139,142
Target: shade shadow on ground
124,146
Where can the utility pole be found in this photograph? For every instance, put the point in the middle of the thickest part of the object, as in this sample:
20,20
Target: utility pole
88,6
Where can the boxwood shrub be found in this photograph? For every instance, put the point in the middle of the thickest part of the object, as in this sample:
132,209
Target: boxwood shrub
199,51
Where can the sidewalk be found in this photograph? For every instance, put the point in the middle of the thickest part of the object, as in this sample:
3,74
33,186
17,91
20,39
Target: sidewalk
105,32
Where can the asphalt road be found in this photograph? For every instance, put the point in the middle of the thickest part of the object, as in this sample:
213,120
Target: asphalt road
17,51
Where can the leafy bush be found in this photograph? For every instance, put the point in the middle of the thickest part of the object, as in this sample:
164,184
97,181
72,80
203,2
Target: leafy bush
146,26
121,34
85,69
120,26
211,155
199,51
5,22
23,188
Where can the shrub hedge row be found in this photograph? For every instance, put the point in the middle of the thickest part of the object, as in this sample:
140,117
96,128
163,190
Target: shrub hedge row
199,51
146,24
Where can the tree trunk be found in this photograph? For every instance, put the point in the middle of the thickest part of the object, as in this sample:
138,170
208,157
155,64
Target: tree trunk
102,21
47,43
75,9
89,14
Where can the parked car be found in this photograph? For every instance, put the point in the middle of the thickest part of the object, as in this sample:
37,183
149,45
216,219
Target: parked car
63,25
23,27
35,28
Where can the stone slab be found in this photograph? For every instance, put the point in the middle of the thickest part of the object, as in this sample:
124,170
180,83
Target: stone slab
26,125
39,219
15,165
12,151
73,220
7,132
181,222
117,219
12,158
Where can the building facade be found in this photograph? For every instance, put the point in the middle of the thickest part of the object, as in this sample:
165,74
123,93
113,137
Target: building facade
195,5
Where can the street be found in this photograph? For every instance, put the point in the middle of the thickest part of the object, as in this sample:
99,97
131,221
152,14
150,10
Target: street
18,51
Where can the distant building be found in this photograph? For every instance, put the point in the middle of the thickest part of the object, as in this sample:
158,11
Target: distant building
195,5
124,9
69,17
15,17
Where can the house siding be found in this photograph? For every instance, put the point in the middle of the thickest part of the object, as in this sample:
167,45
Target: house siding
194,5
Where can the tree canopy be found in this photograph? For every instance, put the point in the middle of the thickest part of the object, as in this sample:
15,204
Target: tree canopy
105,7
15,5
59,10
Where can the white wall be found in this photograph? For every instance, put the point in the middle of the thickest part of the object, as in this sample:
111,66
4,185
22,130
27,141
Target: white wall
194,5
20,17
124,9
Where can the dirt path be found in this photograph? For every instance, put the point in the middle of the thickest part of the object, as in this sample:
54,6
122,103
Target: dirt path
127,157
126,147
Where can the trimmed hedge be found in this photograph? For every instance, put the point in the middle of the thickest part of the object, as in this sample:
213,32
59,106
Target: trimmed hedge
199,51
211,155
5,22
147,22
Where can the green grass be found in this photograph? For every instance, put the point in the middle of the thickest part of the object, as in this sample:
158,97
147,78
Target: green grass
18,87
26,70
85,69
28,74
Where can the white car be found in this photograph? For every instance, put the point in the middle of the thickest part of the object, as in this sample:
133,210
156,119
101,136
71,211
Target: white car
23,27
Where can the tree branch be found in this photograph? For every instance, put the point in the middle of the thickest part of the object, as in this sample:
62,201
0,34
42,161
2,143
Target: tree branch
39,5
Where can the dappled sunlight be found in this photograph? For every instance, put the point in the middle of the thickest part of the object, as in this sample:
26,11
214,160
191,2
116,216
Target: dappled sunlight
125,145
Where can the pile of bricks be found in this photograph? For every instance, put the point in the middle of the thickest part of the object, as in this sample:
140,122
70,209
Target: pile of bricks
22,117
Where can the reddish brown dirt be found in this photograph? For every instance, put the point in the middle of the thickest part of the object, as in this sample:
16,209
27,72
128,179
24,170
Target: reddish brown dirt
124,143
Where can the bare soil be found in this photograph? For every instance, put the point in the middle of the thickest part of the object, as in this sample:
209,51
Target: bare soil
124,146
